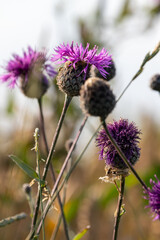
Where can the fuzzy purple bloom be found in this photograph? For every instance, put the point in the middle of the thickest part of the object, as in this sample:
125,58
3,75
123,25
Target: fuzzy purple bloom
22,66
77,53
127,137
153,196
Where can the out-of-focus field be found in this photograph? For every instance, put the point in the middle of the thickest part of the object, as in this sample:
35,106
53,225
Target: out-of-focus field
89,201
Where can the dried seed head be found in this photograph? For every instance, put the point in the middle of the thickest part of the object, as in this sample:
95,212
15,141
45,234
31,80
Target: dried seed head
155,82
96,98
111,70
70,78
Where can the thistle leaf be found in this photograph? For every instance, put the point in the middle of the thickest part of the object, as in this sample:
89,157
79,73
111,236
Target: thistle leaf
25,167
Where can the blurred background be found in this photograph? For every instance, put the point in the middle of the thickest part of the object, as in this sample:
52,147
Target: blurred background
128,29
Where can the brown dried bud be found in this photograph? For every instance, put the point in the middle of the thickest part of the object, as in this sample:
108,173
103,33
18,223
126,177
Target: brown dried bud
96,98
111,70
155,82
70,79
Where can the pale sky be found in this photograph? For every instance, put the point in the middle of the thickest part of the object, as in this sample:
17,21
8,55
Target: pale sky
48,23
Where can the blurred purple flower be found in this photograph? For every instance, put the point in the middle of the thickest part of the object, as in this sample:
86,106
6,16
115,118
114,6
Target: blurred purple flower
22,67
153,196
77,53
127,137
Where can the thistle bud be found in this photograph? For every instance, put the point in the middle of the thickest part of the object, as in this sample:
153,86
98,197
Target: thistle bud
110,70
155,82
97,98
36,84
70,78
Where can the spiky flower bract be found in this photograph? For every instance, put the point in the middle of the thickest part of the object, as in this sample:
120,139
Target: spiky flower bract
77,53
32,66
153,196
127,137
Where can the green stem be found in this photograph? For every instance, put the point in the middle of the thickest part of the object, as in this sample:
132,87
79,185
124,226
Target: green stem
73,166
70,172
52,169
118,214
38,172
49,203
54,141
56,135
63,202
121,154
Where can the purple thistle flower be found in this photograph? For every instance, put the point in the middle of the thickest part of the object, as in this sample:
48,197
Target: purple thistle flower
21,67
153,196
77,53
127,137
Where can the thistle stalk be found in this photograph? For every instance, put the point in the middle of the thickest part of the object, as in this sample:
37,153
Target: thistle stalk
52,173
49,203
119,208
54,141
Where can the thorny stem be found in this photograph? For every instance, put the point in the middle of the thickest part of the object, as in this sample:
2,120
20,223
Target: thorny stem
54,141
50,201
118,213
121,154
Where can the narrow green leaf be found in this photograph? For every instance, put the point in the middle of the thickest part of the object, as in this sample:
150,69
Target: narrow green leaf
25,167
81,234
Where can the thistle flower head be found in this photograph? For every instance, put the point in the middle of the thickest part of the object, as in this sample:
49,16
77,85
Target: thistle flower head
32,64
153,196
76,53
127,137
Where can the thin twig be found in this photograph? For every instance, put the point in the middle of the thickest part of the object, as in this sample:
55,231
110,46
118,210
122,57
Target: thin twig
54,141
49,203
121,154
118,213
147,58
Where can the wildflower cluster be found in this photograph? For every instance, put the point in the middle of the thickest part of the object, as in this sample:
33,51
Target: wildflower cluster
86,73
